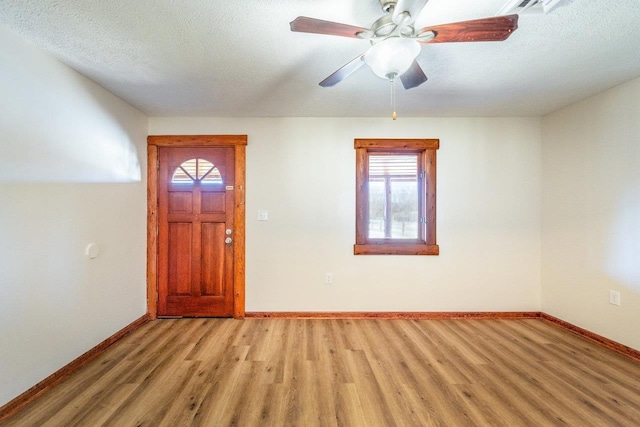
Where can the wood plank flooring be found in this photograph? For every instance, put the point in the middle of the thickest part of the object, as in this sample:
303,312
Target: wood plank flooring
321,372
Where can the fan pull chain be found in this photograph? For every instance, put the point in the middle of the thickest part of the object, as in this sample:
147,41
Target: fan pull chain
393,98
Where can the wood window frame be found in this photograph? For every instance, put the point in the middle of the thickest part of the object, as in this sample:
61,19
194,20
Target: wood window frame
239,143
426,243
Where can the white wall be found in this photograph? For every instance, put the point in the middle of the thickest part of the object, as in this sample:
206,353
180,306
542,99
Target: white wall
61,135
591,215
40,98
302,170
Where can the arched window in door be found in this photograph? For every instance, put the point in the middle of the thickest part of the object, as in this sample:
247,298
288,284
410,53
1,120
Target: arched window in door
196,170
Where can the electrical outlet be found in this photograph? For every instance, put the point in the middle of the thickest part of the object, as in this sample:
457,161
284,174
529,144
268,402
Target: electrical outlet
328,278
614,297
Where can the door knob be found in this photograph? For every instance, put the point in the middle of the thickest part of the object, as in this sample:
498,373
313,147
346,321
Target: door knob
227,240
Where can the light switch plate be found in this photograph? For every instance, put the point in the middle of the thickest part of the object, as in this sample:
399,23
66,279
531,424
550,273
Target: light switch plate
614,297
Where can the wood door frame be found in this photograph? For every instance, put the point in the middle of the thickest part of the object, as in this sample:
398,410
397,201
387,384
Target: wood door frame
238,142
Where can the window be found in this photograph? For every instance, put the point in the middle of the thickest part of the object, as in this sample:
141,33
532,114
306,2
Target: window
196,170
396,196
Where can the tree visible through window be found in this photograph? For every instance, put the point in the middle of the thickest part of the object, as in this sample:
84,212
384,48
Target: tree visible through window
395,201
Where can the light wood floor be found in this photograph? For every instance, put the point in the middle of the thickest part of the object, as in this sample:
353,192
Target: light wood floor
223,372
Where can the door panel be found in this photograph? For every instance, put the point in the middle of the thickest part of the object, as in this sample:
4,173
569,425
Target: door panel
180,242
196,207
180,202
212,260
213,203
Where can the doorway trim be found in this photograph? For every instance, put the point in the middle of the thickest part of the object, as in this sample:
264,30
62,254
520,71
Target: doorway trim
239,142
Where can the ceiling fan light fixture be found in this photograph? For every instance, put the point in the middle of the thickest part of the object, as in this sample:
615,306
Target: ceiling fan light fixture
392,57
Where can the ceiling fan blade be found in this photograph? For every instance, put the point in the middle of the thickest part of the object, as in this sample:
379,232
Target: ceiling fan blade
303,24
492,29
411,7
414,76
343,72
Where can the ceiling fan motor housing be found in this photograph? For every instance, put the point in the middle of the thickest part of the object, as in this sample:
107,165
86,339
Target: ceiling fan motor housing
387,5
384,26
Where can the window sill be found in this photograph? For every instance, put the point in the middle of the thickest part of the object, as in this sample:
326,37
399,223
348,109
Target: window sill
396,249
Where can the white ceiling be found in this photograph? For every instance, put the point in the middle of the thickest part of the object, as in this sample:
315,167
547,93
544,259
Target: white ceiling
239,58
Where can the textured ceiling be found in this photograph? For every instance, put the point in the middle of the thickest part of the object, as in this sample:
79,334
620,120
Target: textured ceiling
239,59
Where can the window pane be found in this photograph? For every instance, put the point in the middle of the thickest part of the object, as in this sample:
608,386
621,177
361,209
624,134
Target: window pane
196,170
208,173
393,196
396,165
213,177
181,177
190,167
377,205
404,209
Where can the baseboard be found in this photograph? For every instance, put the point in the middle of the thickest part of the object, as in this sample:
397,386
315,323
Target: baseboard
392,314
22,400
591,336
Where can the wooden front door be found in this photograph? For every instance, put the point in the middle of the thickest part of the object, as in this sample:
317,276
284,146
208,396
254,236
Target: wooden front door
195,232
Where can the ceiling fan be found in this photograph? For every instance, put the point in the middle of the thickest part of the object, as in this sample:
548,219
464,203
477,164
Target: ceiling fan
395,43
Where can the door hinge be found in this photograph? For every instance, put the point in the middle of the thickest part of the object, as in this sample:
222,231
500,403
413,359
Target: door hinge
423,175
158,164
422,220
157,230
